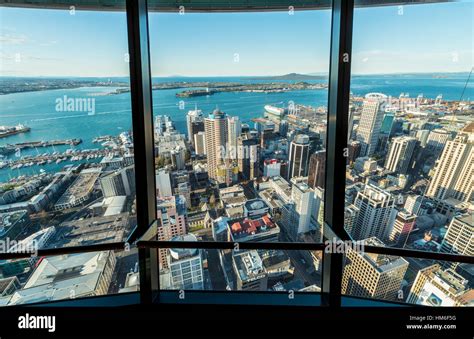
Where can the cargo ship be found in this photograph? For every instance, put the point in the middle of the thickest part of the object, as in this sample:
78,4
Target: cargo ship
6,131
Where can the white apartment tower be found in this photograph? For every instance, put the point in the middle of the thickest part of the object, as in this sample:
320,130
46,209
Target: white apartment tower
454,171
376,211
192,116
459,238
370,123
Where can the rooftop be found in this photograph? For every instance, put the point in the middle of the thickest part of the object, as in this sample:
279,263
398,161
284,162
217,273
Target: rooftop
55,277
248,265
382,262
183,253
244,229
81,186
255,205
93,230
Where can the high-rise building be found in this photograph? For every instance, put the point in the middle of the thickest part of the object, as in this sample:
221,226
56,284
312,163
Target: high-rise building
400,154
301,213
370,123
193,117
299,156
350,217
178,158
248,156
200,143
215,127
171,215
121,182
413,204
402,226
234,130
185,266
371,275
422,136
437,140
317,169
376,210
385,131
163,183
459,238
434,286
454,171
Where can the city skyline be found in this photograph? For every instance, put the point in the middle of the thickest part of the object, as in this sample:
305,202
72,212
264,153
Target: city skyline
200,50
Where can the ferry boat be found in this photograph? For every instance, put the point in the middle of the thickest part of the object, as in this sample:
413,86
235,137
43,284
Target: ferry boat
6,131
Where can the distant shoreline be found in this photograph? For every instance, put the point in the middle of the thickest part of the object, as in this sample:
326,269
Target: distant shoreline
13,85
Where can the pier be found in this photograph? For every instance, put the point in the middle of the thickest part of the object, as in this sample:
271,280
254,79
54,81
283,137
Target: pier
56,157
11,148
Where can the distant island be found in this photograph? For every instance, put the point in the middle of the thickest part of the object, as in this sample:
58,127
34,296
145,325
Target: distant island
272,87
292,76
198,88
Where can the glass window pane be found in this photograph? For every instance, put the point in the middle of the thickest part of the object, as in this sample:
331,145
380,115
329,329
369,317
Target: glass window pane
411,131
407,280
240,270
67,174
240,123
68,277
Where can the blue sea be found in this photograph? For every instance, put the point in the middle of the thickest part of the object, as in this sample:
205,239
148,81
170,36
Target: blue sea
113,114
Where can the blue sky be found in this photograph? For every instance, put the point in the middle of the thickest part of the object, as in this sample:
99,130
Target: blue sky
421,38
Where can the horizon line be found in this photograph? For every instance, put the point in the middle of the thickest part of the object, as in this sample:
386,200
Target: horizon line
227,76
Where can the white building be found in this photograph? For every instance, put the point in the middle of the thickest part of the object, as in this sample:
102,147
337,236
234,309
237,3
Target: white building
437,139
459,238
370,122
376,212
434,286
454,171
200,143
185,265
163,183
192,117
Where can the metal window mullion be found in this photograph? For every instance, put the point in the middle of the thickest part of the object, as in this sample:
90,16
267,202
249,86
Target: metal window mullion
336,143
142,117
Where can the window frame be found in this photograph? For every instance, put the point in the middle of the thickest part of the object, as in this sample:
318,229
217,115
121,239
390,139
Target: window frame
145,238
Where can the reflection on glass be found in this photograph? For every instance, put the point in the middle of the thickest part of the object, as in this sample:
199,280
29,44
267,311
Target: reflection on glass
69,276
239,270
407,280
